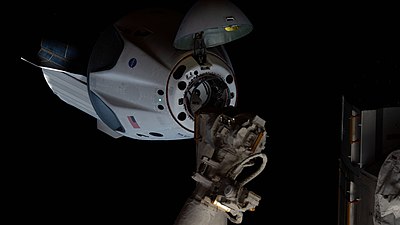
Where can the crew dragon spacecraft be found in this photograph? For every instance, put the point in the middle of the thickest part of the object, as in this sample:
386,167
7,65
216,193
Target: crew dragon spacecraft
157,75
151,70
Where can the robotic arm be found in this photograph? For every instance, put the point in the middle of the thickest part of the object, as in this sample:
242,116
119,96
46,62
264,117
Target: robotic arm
229,155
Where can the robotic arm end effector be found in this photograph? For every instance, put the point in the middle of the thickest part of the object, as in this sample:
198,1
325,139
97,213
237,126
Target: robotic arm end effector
226,146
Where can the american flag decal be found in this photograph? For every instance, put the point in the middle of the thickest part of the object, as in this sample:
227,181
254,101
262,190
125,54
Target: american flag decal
133,122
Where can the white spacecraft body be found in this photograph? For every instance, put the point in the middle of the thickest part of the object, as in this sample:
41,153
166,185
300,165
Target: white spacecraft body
153,69
387,191
369,166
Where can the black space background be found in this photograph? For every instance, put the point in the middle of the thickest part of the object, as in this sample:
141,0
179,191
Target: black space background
291,70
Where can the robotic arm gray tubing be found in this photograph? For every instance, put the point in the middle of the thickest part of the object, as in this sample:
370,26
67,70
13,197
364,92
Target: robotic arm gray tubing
234,171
